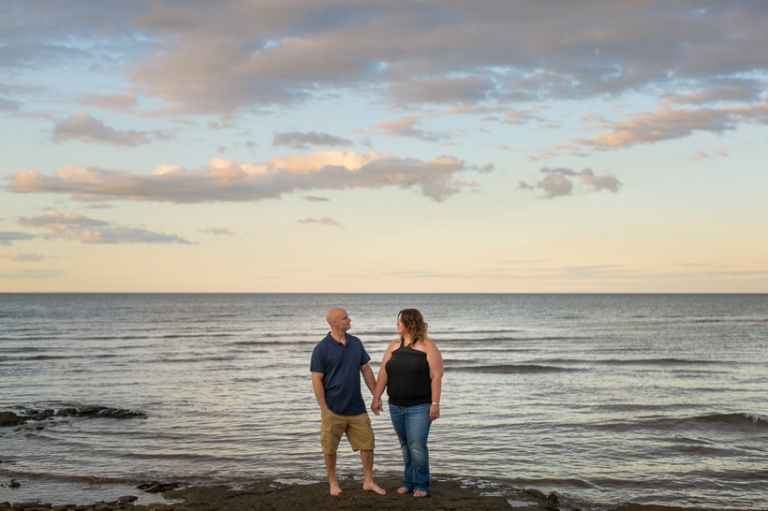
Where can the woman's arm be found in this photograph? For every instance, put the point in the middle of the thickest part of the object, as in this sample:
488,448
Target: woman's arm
381,382
436,370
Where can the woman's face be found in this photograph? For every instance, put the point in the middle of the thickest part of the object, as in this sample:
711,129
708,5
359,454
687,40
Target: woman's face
401,327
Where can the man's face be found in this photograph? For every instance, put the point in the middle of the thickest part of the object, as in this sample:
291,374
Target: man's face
343,321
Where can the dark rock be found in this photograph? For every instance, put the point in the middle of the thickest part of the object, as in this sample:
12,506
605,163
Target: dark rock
40,415
25,505
14,484
126,499
30,414
10,419
155,487
553,497
536,493
111,413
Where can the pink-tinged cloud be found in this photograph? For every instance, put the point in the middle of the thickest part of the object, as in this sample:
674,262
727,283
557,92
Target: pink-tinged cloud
113,102
232,181
408,126
71,226
666,123
320,221
23,258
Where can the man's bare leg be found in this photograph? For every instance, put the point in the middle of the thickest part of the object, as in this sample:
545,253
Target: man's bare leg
368,483
330,466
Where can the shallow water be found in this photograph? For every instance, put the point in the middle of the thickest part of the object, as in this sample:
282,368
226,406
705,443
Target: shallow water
602,398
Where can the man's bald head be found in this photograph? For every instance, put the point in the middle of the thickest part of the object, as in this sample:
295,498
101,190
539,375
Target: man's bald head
338,320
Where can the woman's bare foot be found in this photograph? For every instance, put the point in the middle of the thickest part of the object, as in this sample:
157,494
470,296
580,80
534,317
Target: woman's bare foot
403,489
335,490
420,494
374,487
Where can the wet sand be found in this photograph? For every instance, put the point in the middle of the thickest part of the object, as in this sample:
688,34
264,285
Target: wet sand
266,495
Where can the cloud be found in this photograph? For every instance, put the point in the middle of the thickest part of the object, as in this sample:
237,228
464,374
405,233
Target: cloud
216,58
9,105
704,155
523,116
313,198
559,182
450,89
666,123
226,180
8,237
321,221
71,226
407,127
298,140
37,274
82,126
223,231
22,258
734,91
124,103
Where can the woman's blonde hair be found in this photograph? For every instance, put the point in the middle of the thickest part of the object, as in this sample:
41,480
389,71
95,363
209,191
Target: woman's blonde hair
413,321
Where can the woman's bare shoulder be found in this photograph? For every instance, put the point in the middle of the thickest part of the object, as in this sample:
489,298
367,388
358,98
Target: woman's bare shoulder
429,344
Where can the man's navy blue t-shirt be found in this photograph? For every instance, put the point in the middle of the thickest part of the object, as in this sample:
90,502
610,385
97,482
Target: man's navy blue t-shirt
340,365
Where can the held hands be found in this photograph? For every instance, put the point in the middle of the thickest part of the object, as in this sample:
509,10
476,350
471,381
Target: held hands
376,406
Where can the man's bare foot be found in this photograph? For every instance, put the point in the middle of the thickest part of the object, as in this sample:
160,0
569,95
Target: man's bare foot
374,487
420,494
335,490
403,489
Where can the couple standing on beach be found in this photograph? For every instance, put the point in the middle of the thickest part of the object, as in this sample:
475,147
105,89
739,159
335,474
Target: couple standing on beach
411,371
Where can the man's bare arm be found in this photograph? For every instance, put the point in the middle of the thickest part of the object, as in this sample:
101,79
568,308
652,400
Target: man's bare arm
317,386
368,377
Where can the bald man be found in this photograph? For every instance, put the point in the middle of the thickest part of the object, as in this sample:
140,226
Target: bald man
337,362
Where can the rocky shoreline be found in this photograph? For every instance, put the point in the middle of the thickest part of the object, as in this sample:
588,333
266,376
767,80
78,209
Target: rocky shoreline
267,495
40,417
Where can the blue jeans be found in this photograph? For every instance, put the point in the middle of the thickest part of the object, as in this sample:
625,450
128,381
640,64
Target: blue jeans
412,424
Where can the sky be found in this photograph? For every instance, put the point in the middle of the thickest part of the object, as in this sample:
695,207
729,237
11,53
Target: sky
492,146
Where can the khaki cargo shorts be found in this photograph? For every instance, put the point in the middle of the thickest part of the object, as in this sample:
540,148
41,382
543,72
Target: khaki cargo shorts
357,428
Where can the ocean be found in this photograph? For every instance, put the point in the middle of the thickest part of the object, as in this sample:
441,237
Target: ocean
605,399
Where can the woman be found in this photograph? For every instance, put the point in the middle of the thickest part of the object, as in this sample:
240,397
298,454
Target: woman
412,372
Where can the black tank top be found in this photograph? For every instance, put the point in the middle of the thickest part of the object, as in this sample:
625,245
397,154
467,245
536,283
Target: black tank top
408,381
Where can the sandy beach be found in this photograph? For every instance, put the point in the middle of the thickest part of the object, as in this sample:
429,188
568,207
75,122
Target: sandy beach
266,495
